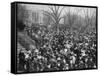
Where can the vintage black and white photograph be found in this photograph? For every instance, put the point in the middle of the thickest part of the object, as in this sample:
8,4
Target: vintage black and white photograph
53,37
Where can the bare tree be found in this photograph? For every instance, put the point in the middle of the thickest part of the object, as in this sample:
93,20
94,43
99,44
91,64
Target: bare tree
71,17
55,14
89,18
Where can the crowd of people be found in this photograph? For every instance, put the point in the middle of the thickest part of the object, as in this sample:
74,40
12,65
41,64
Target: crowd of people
59,51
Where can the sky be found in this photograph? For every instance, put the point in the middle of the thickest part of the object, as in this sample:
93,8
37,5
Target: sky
77,10
81,11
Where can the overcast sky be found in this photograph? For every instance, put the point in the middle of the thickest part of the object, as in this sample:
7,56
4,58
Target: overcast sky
38,7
